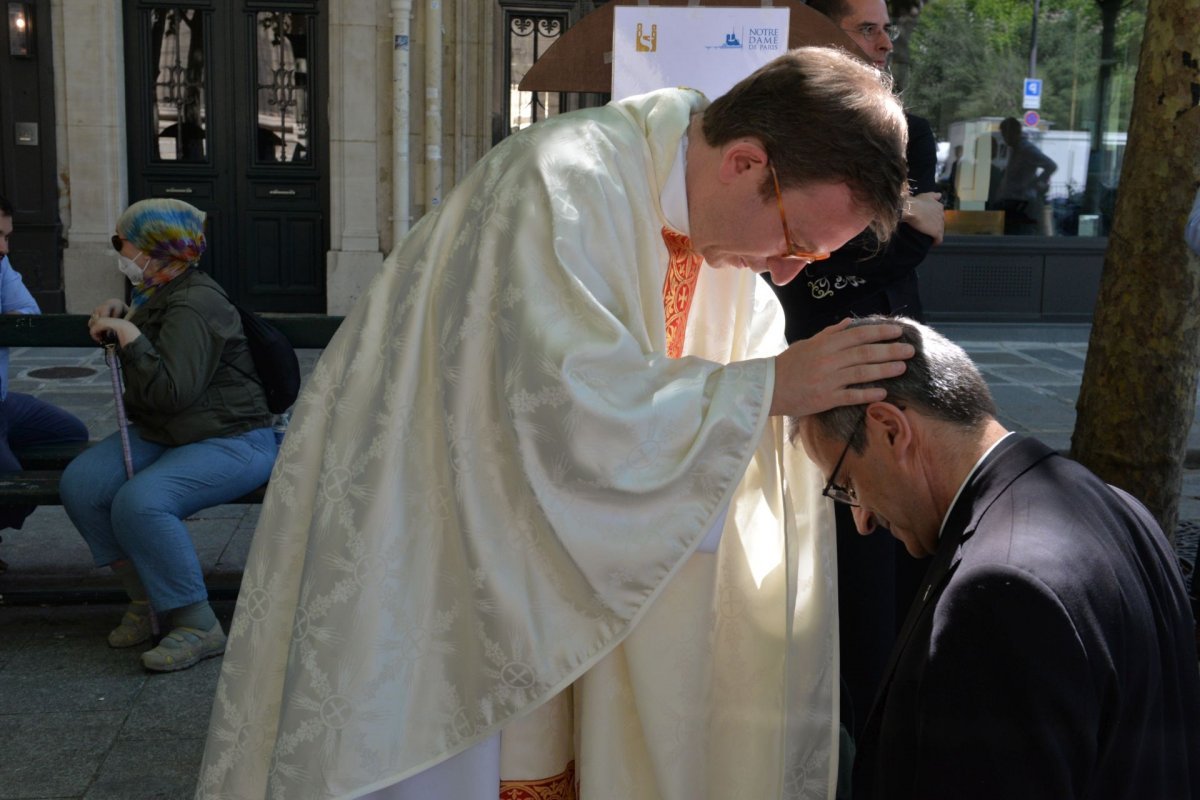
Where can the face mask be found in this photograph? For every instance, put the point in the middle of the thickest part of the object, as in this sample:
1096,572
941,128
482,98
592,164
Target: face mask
130,269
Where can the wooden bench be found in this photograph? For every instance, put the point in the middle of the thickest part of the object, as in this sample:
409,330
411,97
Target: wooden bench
37,483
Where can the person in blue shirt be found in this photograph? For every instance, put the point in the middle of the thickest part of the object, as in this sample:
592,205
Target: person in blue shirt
24,419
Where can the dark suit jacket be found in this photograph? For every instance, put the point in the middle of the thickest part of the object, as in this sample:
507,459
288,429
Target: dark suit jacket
1050,654
860,278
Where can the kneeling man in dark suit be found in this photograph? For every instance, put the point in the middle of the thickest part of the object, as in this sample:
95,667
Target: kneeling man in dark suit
1050,651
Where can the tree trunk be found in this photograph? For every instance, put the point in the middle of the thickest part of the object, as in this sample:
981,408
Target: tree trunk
1139,383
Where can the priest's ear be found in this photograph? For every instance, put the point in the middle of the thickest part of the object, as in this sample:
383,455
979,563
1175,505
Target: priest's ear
742,156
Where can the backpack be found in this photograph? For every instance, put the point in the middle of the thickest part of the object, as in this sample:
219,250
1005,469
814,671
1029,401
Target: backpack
274,360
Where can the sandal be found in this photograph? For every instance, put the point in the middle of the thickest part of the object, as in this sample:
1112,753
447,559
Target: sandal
135,628
184,647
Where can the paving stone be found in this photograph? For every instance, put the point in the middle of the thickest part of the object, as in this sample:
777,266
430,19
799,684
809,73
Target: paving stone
1057,357
237,549
174,705
1032,374
13,641
81,621
149,770
988,359
56,672
50,754
47,544
210,537
1035,410
971,335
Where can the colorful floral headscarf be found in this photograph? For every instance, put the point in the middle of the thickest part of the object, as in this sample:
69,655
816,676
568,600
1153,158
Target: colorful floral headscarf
169,231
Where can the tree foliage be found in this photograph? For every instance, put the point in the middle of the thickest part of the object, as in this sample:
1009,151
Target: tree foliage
962,59
967,59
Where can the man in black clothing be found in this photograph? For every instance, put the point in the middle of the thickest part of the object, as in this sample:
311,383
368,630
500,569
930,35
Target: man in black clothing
862,278
876,578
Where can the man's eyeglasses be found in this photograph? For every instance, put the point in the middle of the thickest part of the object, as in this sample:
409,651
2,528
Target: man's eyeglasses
835,492
792,250
870,30
117,242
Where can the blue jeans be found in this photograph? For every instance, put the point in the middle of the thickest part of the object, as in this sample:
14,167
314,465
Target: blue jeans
141,519
24,421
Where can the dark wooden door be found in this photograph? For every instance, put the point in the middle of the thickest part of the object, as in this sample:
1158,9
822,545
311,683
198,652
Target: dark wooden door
28,158
225,105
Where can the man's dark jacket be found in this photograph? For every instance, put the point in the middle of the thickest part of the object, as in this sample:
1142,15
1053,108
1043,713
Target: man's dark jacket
1051,653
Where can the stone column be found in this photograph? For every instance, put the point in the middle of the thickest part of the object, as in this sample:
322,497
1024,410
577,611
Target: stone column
89,88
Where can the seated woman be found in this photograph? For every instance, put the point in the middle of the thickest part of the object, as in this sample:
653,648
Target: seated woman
200,432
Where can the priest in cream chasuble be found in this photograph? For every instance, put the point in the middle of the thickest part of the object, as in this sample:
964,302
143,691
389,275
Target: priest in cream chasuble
538,457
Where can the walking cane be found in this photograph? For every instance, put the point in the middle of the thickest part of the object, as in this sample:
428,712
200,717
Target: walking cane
110,358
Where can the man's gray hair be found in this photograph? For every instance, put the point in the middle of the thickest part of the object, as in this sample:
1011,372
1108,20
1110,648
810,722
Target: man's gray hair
941,382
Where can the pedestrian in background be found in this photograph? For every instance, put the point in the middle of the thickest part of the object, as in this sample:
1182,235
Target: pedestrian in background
1024,183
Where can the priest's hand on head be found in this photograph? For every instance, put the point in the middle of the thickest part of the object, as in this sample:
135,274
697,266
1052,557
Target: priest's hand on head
811,376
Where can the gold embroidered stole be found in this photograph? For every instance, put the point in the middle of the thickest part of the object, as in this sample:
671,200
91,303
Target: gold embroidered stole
679,288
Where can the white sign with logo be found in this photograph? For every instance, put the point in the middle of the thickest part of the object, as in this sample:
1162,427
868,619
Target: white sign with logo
709,49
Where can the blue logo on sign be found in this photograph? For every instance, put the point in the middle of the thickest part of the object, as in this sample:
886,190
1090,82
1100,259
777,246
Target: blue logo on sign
754,39
732,42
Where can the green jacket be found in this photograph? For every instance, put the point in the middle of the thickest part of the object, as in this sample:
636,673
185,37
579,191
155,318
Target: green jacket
189,376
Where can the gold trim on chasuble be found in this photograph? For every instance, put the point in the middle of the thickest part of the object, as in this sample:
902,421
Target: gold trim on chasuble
560,787
679,287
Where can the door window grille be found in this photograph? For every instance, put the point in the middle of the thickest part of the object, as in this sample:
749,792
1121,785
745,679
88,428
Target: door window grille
529,35
180,114
282,97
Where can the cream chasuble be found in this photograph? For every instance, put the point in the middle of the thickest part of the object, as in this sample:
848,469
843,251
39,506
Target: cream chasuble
493,487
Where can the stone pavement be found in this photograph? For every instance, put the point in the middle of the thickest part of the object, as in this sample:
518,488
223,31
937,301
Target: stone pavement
81,721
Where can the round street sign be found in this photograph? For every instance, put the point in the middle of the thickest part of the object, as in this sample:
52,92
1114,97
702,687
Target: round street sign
1032,119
